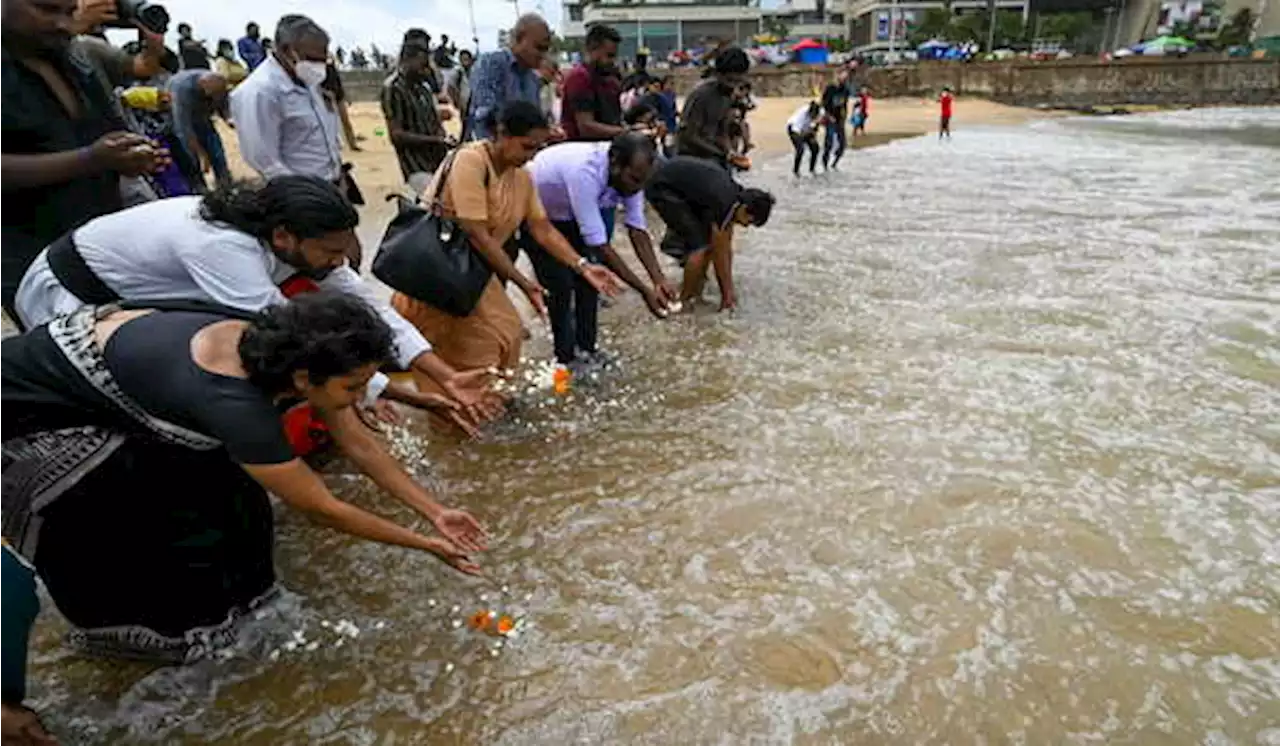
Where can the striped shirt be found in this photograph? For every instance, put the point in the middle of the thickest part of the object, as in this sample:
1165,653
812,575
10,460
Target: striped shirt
411,106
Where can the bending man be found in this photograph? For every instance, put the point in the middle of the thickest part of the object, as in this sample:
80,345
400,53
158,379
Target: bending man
700,203
581,185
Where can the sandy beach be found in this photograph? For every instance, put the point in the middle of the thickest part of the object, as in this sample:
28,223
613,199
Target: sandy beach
378,174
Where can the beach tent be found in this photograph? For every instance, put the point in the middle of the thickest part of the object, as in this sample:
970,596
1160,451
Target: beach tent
810,52
933,49
1167,45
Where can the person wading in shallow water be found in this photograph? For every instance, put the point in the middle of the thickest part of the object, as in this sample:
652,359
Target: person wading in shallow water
235,246
140,445
580,183
701,203
485,187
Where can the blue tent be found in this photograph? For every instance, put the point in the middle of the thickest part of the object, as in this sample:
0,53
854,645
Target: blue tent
810,52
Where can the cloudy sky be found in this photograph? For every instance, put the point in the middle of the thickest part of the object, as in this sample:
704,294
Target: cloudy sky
353,23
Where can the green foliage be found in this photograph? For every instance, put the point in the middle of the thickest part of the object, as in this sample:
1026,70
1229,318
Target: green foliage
1185,29
776,27
1010,31
561,45
969,27
1068,28
934,24
839,44
1236,32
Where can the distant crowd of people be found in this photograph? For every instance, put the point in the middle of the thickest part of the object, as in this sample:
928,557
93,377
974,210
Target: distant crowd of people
186,347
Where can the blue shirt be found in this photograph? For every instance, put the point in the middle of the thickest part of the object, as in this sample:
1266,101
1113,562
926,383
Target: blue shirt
572,179
496,79
188,103
251,51
665,103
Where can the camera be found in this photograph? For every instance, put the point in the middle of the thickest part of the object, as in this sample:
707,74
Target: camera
152,17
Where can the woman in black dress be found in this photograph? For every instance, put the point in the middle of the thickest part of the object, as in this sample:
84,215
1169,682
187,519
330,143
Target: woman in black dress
139,448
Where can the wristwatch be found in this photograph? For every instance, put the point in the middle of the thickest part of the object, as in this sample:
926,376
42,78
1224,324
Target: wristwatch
582,263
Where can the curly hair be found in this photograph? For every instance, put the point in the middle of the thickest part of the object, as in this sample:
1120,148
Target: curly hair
326,334
306,206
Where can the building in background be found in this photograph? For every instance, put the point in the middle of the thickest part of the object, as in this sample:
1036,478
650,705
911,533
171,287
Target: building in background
884,25
667,25
1143,19
809,19
879,26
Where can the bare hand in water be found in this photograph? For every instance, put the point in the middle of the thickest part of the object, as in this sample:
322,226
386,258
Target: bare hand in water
461,528
453,557
22,727
657,306
470,388
385,411
666,292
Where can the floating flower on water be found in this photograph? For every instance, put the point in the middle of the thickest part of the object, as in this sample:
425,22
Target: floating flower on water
479,620
505,625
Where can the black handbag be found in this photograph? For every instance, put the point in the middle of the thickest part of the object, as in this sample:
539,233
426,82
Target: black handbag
429,258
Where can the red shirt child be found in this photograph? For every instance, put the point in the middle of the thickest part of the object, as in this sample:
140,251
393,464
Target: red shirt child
945,100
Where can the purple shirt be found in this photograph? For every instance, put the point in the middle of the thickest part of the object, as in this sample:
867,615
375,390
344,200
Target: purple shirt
572,179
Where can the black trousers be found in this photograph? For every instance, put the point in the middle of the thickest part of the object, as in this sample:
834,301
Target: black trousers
800,142
572,304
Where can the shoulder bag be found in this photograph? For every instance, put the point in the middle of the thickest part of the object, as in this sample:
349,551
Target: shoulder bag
429,258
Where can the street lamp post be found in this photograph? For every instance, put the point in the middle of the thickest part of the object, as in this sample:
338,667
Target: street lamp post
893,27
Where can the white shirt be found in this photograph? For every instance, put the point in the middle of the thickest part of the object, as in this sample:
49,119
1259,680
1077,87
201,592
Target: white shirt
165,250
801,122
285,127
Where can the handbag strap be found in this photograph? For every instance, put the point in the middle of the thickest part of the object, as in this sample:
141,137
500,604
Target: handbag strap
437,204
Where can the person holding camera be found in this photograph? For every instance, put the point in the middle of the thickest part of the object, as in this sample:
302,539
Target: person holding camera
65,146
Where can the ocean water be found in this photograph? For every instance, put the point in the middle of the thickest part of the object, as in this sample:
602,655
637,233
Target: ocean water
989,455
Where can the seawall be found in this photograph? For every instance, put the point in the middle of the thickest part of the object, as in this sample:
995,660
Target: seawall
1068,83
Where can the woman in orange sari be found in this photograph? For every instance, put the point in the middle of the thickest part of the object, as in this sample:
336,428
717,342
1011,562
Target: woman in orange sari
489,193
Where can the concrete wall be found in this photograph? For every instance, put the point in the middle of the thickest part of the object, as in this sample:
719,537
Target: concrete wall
1189,81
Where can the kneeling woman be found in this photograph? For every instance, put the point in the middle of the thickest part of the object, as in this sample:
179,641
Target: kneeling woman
140,446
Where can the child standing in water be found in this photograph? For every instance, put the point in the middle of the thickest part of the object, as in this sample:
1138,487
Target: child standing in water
856,120
944,101
862,111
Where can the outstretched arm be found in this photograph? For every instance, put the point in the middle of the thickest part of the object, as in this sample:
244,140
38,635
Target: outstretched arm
301,488
359,444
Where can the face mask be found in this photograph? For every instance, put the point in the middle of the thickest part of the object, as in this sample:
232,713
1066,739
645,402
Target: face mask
309,72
